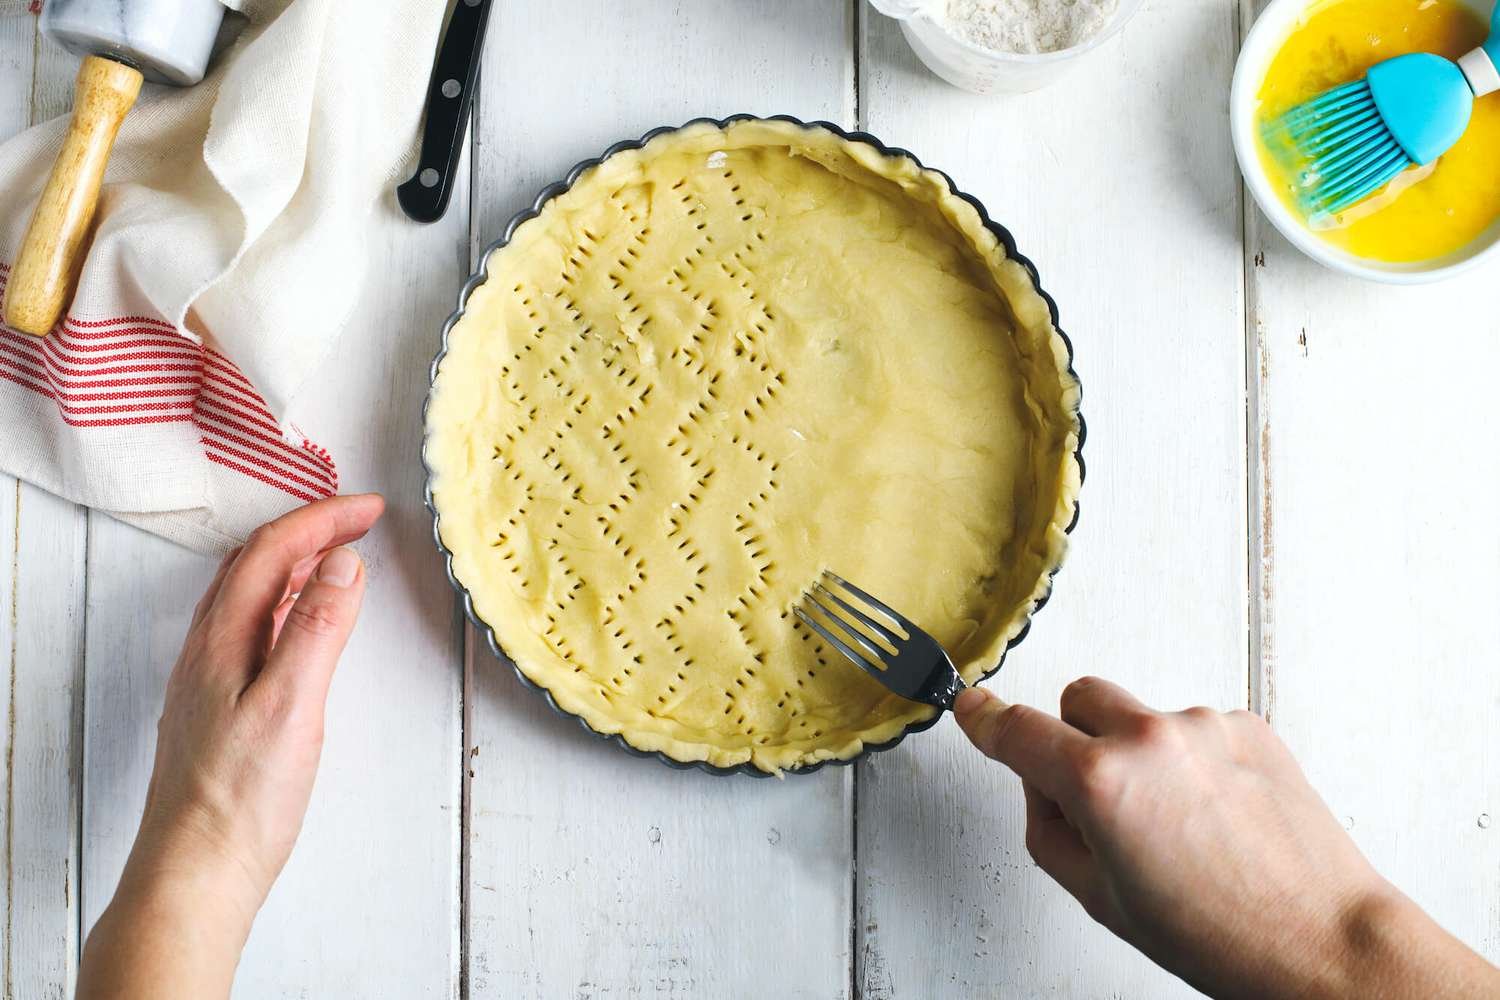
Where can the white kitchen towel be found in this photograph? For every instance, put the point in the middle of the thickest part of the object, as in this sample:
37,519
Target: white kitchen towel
227,257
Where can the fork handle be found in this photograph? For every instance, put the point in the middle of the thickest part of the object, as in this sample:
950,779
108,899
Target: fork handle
946,693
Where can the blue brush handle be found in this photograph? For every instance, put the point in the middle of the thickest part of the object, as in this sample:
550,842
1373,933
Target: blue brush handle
1491,45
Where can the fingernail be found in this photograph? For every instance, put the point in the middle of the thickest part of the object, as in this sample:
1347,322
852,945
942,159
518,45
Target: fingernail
970,699
339,567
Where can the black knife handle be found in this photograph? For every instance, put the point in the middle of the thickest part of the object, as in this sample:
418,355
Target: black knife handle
449,97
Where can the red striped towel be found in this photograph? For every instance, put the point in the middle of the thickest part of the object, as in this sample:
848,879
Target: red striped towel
126,384
231,226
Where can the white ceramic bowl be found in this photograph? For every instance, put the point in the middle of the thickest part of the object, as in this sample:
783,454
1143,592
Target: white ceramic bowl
1271,29
984,71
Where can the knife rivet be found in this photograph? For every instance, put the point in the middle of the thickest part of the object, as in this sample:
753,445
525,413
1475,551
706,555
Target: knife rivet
452,88
429,178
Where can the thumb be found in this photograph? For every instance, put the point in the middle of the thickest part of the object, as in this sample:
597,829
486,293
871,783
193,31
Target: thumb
1035,745
317,627
978,712
1018,737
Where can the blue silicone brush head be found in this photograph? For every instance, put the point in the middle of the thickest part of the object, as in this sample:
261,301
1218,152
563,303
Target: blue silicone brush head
1349,143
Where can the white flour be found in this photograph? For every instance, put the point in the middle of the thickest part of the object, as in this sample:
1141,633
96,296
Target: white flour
1026,25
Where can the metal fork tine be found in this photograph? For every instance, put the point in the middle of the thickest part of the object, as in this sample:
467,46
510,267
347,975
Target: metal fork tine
915,666
864,619
876,654
838,644
880,606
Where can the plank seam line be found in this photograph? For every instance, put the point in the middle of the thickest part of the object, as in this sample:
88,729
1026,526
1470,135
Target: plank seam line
1257,474
77,754
10,738
858,33
465,632
15,584
854,964
465,797
36,58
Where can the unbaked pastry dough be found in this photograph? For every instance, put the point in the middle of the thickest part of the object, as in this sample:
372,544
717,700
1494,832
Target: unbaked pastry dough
714,367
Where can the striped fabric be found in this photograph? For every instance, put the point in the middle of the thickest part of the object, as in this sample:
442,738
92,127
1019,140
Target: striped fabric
243,207
135,370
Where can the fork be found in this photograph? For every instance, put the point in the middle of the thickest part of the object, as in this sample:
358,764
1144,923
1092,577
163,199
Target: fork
895,652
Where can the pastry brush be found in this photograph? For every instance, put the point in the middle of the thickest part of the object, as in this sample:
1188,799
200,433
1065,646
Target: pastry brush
1353,140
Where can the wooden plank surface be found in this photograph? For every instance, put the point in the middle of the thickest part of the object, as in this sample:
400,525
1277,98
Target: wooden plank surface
17,35
1370,596
42,539
1379,563
369,903
44,746
1119,182
594,874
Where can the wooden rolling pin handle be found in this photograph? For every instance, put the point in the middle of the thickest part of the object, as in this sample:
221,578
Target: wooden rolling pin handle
42,283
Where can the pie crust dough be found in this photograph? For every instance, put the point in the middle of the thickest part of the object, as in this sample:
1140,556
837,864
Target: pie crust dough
712,368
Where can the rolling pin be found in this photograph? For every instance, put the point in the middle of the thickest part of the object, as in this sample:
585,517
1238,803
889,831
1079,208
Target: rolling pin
123,42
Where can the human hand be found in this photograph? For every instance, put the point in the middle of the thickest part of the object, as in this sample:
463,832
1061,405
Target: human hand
1195,837
237,752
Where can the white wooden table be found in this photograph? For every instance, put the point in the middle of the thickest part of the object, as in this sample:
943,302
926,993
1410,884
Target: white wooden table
1291,506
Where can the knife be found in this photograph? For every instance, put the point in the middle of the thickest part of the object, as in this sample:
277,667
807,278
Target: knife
449,98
